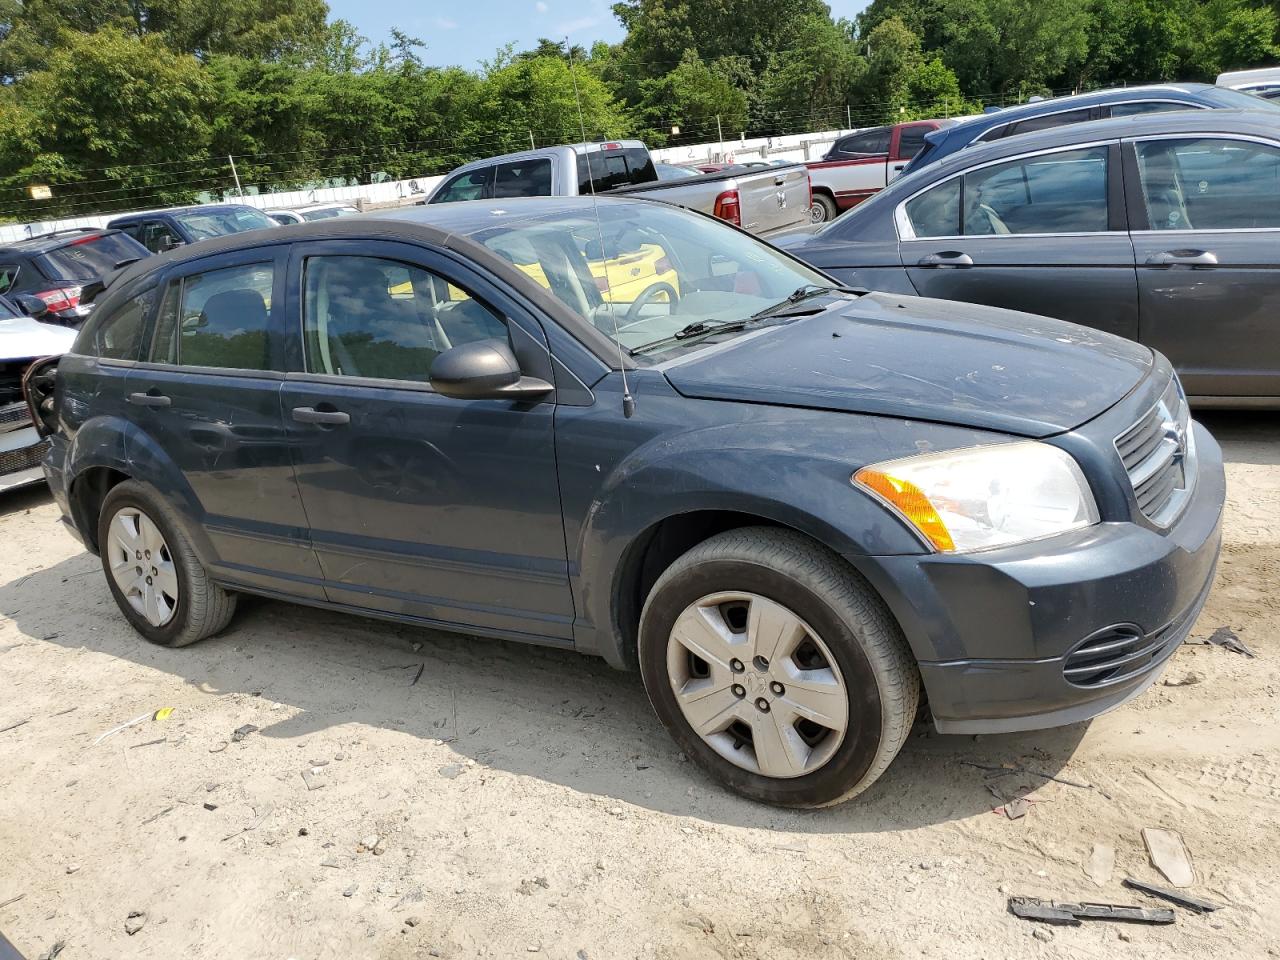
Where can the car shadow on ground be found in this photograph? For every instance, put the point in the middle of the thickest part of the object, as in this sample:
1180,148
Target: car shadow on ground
531,711
1250,436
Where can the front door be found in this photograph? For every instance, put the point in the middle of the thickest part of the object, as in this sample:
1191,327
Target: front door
1207,213
422,505
1044,234
206,399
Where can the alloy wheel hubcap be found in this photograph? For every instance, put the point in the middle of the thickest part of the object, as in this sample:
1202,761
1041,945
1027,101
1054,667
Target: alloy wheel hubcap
142,565
757,684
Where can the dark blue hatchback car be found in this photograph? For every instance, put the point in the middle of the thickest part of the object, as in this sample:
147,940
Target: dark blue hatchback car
794,507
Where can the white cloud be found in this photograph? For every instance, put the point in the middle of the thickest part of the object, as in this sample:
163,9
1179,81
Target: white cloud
541,7
444,23
575,26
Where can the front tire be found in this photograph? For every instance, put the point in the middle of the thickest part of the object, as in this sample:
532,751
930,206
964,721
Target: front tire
157,580
776,667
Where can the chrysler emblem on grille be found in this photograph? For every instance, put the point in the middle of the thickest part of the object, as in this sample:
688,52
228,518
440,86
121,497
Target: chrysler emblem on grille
1172,428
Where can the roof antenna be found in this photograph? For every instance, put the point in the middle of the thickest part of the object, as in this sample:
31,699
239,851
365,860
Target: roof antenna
628,401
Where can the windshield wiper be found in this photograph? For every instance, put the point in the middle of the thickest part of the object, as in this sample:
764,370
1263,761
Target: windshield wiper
697,329
798,296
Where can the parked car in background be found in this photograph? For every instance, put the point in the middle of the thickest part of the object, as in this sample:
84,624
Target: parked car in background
860,165
764,201
161,230
1257,81
54,267
314,211
23,340
675,171
790,505
1099,105
1163,228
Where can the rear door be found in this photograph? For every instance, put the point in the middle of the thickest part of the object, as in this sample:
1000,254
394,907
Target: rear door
1206,216
1044,233
206,399
420,504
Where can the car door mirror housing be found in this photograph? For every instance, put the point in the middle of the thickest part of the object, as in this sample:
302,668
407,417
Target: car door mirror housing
32,306
170,243
483,370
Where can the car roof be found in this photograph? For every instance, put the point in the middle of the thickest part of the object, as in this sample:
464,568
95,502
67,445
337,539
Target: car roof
194,208
43,243
1077,101
540,152
1255,122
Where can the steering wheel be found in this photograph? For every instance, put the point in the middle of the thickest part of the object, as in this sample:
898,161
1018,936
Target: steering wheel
650,292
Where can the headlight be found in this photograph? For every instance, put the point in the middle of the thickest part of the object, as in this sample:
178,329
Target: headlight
987,496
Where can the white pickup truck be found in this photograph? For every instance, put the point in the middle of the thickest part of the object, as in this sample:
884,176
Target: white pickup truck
864,163
761,200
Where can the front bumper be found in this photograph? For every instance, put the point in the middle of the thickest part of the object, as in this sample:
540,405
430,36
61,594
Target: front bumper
999,635
21,451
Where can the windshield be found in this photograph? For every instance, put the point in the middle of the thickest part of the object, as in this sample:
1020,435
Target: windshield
88,258
658,269
1227,98
204,224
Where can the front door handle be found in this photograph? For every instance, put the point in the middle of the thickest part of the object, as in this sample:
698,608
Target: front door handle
328,417
1183,258
946,259
898,167
149,399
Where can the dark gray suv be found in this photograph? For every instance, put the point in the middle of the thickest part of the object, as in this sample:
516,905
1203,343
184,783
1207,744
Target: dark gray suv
637,432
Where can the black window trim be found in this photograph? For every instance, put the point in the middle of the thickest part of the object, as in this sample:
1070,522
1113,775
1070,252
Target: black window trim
906,232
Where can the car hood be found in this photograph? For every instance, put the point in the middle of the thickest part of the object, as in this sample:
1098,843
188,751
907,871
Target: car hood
22,337
934,360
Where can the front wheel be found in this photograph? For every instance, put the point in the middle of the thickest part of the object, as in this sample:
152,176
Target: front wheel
777,668
157,580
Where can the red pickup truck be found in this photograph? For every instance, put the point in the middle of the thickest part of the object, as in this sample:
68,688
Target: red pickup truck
864,163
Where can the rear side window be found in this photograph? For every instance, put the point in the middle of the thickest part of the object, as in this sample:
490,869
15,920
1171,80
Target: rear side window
869,143
119,336
524,178
88,258
387,320
466,186
910,140
217,319
608,169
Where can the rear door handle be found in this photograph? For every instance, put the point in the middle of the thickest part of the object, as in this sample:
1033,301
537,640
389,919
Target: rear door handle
1183,258
149,399
312,415
946,259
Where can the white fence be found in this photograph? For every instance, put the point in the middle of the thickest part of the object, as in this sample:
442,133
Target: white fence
804,146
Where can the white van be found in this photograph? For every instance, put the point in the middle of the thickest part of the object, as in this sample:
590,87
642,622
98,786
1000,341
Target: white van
1251,81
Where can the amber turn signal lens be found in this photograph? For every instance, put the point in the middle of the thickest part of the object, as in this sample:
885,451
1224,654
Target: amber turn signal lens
910,501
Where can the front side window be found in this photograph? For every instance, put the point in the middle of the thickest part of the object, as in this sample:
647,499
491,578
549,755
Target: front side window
217,319
869,143
8,276
524,178
466,186
157,236
1210,184
383,319
1063,192
119,336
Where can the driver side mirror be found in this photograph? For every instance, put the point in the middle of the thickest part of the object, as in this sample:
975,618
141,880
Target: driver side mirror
32,306
169,242
484,370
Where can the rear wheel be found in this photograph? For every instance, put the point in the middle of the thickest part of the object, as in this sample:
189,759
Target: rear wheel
777,668
157,580
823,209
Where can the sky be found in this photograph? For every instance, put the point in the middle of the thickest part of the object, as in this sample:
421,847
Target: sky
468,32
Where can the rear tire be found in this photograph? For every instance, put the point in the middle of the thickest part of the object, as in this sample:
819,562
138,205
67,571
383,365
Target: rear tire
823,209
808,728
157,580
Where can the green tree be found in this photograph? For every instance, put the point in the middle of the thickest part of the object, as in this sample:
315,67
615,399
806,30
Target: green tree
692,97
811,82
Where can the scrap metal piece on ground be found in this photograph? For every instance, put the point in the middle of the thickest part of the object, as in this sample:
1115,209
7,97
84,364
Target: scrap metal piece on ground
241,732
1174,896
1070,914
1228,639
1169,856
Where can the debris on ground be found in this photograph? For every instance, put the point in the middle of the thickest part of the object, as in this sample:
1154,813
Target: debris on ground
1187,681
1070,914
218,747
211,806
418,676
1228,639
1016,808
1197,904
135,922
1169,855
452,771
1101,862
253,826
241,732
52,952
351,890
14,726
311,778
1009,769
5,903
155,817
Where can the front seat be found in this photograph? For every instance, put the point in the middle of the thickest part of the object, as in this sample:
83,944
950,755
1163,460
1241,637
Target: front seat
229,316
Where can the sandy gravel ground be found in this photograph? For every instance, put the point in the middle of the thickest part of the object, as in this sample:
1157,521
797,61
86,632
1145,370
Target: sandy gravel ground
526,801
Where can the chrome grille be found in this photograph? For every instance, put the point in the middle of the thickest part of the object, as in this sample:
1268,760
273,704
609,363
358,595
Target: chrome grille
11,461
1158,453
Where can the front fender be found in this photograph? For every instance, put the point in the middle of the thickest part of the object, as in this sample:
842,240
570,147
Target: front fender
786,466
